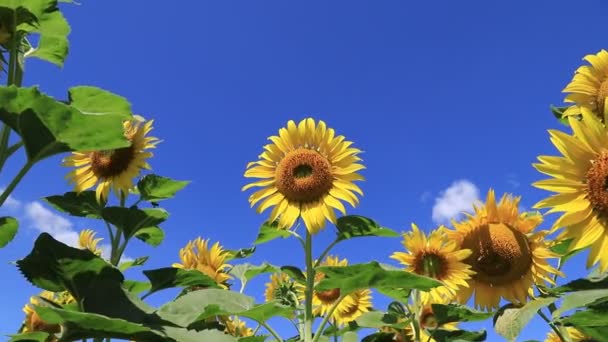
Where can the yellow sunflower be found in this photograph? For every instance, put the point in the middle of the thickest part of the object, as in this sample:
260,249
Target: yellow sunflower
196,255
33,322
87,240
508,258
427,323
436,257
113,169
589,86
575,336
352,305
305,172
236,327
579,179
283,289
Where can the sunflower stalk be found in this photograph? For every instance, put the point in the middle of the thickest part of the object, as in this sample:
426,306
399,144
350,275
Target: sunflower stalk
271,331
326,251
13,184
557,331
310,282
333,308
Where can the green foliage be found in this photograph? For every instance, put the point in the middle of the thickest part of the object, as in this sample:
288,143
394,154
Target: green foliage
137,287
53,43
154,188
48,127
579,299
353,226
8,230
246,272
378,319
441,335
37,336
132,263
82,204
510,320
240,253
447,313
153,236
270,231
592,282
558,112
132,220
169,277
371,275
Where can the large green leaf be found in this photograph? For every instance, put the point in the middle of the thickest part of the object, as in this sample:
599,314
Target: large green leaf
246,271
579,299
240,253
371,275
132,263
37,336
379,319
153,236
131,220
270,231
512,320
53,42
8,230
185,335
82,204
137,287
592,282
48,127
169,277
401,295
457,313
359,226
154,188
442,335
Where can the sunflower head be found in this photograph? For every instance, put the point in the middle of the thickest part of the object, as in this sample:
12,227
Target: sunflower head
197,255
506,256
579,181
427,323
350,307
436,257
589,86
33,322
283,289
87,240
113,169
305,172
235,327
574,334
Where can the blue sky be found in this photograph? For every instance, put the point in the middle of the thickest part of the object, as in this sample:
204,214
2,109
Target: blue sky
435,93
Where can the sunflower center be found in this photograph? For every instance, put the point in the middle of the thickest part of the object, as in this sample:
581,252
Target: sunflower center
597,184
328,296
111,163
430,265
304,175
602,93
500,255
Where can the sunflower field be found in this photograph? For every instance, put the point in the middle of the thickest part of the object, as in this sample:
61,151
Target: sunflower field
498,264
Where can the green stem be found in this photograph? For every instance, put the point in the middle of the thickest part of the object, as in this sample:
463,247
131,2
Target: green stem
9,189
560,263
415,313
310,283
555,329
271,331
325,252
326,318
114,258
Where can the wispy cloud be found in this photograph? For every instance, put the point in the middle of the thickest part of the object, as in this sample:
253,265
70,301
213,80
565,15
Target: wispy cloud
426,196
11,203
457,198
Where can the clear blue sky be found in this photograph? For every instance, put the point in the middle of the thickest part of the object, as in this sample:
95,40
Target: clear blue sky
433,92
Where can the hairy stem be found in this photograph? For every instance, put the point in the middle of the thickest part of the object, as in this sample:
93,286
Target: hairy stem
555,328
310,282
272,331
326,318
9,189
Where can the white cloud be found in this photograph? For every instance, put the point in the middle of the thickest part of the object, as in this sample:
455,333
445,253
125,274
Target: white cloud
11,202
457,198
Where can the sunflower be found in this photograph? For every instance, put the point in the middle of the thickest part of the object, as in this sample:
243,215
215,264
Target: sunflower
575,336
579,179
352,305
87,240
196,255
113,169
33,322
427,323
282,289
589,86
436,257
508,257
235,327
305,172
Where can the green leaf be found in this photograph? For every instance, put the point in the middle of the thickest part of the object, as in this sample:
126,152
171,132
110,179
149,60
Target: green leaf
457,313
379,319
558,112
153,236
598,333
579,299
132,263
258,338
154,188
136,287
48,127
95,101
562,248
38,336
359,226
512,320
399,294
295,273
350,336
592,282
8,230
131,220
441,335
185,335
587,318
379,337
199,305
53,43
88,325
371,275
241,253
246,272
270,231
82,204
168,277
